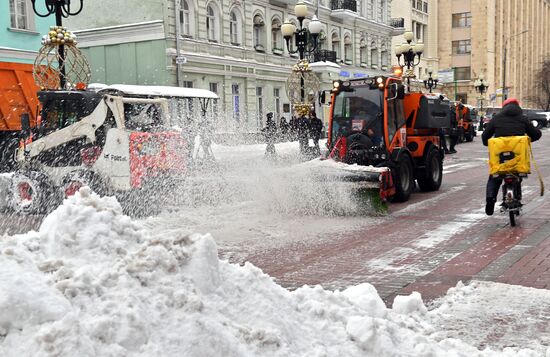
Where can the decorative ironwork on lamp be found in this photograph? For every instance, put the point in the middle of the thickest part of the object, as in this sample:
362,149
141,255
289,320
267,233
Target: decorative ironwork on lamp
61,9
410,52
302,80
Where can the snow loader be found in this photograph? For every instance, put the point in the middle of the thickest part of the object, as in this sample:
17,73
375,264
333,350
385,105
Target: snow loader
385,138
117,143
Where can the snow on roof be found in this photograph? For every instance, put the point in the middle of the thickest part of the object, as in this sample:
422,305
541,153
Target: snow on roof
156,91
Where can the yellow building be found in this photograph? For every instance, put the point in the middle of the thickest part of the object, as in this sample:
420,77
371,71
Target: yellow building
503,40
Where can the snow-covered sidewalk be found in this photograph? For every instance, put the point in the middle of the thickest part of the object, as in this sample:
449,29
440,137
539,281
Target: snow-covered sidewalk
92,282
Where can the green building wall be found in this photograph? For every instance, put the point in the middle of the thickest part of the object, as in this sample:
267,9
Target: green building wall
129,63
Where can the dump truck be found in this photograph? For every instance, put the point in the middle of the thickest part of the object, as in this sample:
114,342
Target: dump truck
17,97
117,140
393,135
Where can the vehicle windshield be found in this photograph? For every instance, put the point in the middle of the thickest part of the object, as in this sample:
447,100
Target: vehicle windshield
142,116
358,109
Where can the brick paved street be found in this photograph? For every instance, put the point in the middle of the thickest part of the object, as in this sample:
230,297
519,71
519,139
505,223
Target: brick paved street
431,242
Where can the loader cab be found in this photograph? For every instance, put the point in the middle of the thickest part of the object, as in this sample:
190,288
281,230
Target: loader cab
63,108
371,106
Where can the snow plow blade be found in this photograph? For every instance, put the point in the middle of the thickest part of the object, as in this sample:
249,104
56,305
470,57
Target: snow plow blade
371,186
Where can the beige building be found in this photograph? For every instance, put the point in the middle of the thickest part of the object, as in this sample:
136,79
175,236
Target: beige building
503,40
421,18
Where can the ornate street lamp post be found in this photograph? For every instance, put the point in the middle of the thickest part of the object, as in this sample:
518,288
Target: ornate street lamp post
431,82
409,51
306,40
61,8
481,86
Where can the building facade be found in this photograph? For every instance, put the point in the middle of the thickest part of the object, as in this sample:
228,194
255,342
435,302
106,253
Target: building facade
21,30
233,48
503,41
420,17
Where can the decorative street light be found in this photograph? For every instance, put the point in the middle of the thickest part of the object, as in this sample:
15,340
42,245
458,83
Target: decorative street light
61,8
431,82
306,39
409,51
481,86
303,43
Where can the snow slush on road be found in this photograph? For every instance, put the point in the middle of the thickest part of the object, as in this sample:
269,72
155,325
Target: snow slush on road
93,282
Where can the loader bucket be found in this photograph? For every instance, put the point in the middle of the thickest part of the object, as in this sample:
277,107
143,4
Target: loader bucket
370,186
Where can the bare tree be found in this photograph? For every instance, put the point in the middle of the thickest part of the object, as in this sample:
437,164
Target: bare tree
541,87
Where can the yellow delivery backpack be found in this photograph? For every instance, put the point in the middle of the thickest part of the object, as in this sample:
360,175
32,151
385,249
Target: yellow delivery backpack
510,154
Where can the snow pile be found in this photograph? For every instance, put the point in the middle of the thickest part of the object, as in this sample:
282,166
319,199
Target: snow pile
92,282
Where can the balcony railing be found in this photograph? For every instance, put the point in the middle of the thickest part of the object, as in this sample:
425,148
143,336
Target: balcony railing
397,22
343,5
324,55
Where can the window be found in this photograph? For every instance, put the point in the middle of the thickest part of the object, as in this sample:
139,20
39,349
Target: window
463,19
236,102
188,84
418,31
336,45
381,10
348,54
462,97
185,18
462,73
384,61
276,36
235,27
19,15
419,5
260,108
277,96
259,33
370,9
426,7
373,55
363,52
214,87
211,24
462,47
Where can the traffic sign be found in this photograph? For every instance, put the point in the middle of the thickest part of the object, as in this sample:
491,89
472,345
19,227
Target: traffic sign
181,60
446,75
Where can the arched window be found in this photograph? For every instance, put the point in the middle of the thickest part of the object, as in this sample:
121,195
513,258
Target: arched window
384,56
186,19
363,52
235,26
348,50
212,23
259,33
373,55
335,41
276,37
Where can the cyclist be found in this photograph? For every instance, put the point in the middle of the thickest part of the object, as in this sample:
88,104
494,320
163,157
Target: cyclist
509,122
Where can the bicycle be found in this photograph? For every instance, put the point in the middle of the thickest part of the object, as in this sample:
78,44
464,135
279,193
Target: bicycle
511,195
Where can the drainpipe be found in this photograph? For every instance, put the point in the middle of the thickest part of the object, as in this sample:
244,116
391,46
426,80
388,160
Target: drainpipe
176,17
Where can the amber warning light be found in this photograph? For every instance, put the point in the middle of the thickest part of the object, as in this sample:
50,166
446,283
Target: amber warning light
397,71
